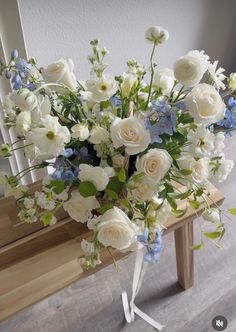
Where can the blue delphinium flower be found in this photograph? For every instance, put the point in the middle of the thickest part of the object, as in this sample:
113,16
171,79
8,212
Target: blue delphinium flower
16,82
68,176
229,121
116,101
160,120
154,247
68,152
23,67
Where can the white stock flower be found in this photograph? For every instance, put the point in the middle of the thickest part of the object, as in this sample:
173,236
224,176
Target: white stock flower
211,214
45,201
232,82
116,230
52,138
216,75
97,175
155,164
164,79
224,169
142,190
24,99
157,35
219,143
87,247
199,168
79,208
27,215
60,72
130,133
98,135
28,203
202,142
80,131
102,88
205,104
190,68
127,84
23,123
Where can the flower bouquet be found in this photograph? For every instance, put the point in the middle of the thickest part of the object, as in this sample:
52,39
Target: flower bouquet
120,146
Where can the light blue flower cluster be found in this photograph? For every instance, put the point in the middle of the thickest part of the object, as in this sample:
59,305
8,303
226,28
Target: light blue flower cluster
154,247
160,120
64,170
229,121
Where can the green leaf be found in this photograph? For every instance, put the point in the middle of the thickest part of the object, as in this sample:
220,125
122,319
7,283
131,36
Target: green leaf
111,193
125,202
105,207
199,192
87,189
57,186
212,235
194,204
172,202
232,211
181,195
138,177
122,175
115,185
198,246
185,171
180,213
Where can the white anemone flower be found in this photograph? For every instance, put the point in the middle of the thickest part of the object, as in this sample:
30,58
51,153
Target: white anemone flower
50,139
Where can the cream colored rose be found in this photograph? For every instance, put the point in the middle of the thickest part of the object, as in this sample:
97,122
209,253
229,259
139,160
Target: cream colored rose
102,88
116,230
97,175
142,190
199,168
164,79
205,104
128,82
80,131
98,135
79,208
23,123
130,133
61,72
155,164
24,99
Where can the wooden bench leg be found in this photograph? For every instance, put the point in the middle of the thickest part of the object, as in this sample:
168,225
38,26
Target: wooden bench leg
184,255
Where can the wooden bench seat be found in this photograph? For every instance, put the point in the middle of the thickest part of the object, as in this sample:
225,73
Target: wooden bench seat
35,262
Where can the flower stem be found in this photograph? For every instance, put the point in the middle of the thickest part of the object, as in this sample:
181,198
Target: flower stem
152,75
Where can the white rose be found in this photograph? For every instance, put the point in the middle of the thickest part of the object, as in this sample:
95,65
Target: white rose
232,81
212,215
80,131
24,99
98,135
164,79
102,88
205,104
199,168
79,208
23,123
61,72
130,133
190,68
224,170
157,35
142,190
97,175
116,230
128,82
155,164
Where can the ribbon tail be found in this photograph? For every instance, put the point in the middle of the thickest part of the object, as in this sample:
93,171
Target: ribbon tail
148,319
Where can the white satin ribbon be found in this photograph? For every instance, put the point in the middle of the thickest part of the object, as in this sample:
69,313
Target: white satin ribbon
130,309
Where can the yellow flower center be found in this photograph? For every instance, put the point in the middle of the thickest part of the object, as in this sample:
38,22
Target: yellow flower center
50,135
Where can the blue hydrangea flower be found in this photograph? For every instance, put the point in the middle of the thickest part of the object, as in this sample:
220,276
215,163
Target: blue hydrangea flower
160,120
68,176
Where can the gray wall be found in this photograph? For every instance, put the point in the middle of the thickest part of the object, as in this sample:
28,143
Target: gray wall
58,28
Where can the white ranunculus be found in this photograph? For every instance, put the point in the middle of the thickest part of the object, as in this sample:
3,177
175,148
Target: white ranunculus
219,143
98,135
157,35
24,99
102,88
79,208
80,131
190,68
60,72
164,79
43,108
128,82
232,81
23,123
211,214
131,133
199,168
142,190
202,142
116,230
155,164
97,175
52,138
224,170
205,104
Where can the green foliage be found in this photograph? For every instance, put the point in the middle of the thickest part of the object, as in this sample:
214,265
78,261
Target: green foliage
122,175
212,235
185,171
105,207
194,204
57,186
232,211
198,246
111,193
138,177
87,189
115,185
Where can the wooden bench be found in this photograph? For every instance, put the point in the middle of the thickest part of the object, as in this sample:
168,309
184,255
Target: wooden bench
35,262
